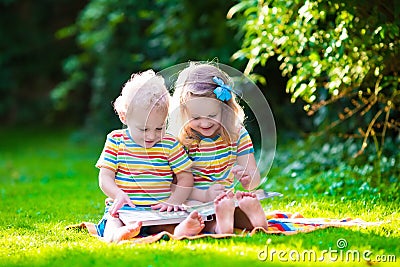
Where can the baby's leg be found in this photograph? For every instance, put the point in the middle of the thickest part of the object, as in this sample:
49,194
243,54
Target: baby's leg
192,225
251,207
224,211
115,230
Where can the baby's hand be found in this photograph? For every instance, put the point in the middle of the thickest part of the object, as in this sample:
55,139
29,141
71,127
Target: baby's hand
242,175
120,200
167,207
214,191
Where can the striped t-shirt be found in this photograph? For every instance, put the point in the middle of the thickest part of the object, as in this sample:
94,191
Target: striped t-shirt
213,158
145,174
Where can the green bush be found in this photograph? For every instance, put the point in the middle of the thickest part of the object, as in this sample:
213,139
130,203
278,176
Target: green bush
337,55
30,57
332,170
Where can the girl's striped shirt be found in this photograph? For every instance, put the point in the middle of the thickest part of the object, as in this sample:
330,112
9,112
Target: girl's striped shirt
213,158
145,174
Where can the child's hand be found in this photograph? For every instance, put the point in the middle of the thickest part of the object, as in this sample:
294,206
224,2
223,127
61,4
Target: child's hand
120,200
167,207
242,175
214,191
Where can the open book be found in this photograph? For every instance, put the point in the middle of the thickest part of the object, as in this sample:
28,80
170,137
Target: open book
154,217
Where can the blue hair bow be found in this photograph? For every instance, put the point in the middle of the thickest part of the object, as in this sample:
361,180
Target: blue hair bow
223,91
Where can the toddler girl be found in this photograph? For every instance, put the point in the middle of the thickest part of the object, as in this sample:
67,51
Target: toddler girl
209,123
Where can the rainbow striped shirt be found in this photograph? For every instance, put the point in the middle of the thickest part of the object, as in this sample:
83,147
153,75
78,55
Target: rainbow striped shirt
213,159
145,174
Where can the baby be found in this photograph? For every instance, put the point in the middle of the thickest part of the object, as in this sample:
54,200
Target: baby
138,163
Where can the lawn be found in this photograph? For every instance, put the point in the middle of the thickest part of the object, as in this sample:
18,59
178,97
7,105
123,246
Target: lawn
48,181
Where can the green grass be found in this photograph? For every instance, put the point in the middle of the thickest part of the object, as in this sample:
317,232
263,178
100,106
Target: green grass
48,181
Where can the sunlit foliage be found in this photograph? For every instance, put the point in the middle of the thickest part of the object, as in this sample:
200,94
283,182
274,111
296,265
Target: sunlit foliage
335,53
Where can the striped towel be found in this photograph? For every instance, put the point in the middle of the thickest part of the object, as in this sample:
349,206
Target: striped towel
278,223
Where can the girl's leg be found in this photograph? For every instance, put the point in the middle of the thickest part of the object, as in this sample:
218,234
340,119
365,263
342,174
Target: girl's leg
251,207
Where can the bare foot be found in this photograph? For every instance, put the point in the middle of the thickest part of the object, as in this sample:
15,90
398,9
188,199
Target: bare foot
192,225
126,232
251,206
224,211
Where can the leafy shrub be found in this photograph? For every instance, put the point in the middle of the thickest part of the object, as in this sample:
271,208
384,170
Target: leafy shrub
337,55
320,166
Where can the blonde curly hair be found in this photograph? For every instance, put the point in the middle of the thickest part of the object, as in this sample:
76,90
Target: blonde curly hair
145,90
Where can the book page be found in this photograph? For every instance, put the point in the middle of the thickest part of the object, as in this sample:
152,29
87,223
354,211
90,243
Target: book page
154,217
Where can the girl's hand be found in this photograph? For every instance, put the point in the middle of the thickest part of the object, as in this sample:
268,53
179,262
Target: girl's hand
213,191
167,207
120,200
242,175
